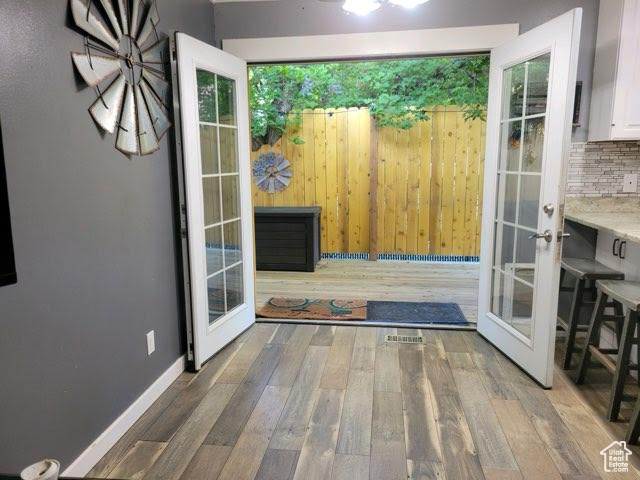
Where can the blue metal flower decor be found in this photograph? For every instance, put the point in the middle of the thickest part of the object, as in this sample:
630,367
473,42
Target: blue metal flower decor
272,172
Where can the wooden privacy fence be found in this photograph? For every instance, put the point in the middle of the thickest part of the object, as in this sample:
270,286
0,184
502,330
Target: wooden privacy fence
427,181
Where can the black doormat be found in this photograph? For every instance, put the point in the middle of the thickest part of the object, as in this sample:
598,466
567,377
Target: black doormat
415,312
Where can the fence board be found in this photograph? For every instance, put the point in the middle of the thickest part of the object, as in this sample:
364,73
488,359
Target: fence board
429,186
425,187
364,136
332,182
413,188
389,192
460,184
342,164
448,172
435,217
320,165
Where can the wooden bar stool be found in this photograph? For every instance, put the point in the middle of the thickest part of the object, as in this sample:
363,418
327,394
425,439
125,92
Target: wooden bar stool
586,272
633,432
628,294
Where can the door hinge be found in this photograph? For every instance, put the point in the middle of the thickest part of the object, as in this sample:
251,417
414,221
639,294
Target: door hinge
183,232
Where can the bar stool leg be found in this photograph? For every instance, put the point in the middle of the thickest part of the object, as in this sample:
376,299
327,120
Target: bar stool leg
593,336
633,433
574,321
622,365
619,312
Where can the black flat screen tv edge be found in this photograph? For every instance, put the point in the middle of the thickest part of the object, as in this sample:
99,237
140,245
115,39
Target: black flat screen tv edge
7,260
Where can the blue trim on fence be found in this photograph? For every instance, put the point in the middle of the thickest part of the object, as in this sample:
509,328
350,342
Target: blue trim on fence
405,257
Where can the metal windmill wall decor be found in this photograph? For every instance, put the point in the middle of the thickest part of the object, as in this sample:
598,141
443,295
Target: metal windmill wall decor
271,172
124,59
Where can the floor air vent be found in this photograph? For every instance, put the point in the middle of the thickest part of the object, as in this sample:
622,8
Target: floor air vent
402,339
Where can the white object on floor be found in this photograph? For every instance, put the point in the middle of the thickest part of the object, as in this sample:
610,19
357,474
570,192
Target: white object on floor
43,470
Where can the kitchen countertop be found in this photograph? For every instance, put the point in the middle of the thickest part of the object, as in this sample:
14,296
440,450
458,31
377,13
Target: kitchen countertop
621,216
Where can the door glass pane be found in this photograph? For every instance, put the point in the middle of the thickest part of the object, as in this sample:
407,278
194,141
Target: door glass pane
537,84
533,144
510,199
226,100
206,96
213,237
209,149
235,289
220,193
215,289
510,144
211,200
232,243
230,197
505,241
525,255
228,150
514,83
497,293
529,200
522,307
518,192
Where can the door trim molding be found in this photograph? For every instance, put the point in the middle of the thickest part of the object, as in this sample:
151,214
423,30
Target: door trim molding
433,41
107,439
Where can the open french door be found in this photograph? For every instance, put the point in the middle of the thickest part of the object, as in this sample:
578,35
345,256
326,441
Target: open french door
214,139
529,120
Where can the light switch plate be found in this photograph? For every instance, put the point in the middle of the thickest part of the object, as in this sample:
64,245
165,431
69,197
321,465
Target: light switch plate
151,342
630,184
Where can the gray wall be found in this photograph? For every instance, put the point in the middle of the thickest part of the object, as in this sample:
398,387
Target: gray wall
94,245
310,17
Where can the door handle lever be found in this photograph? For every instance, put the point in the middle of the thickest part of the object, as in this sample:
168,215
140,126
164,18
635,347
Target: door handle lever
547,235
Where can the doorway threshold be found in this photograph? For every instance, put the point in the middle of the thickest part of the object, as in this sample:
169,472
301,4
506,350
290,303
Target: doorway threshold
359,323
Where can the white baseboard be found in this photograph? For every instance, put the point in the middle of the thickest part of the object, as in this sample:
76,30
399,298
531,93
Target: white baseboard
107,439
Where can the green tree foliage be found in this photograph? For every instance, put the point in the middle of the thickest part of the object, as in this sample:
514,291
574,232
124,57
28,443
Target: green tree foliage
397,92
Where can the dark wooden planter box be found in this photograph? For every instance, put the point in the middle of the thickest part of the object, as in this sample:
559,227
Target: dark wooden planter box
287,238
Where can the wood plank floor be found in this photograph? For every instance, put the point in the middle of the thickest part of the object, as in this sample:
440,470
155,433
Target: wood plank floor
306,402
392,281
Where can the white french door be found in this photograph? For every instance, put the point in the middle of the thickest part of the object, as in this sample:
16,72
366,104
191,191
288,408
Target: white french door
529,120
214,124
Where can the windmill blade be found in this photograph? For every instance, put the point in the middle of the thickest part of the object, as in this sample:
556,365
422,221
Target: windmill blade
284,164
259,180
124,16
88,22
149,24
159,85
111,13
159,116
127,141
147,137
135,18
285,181
95,68
155,53
106,109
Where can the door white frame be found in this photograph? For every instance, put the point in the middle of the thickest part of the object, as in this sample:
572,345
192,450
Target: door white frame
403,43
210,338
529,352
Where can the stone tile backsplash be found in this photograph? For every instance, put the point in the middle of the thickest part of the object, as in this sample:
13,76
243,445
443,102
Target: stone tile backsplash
598,169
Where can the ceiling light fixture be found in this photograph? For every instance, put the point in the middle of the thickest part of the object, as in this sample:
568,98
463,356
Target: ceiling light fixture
408,3
361,7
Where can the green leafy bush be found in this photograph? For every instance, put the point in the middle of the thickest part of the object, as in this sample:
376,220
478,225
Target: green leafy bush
397,92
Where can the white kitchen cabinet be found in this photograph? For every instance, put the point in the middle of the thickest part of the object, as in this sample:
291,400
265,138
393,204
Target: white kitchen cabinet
612,251
615,101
